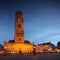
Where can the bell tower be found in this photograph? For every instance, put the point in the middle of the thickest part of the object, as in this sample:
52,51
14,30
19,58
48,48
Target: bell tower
19,28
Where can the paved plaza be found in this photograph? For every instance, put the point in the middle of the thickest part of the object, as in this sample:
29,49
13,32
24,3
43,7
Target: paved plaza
42,56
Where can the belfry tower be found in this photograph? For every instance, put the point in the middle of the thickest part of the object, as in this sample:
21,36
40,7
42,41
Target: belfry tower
19,28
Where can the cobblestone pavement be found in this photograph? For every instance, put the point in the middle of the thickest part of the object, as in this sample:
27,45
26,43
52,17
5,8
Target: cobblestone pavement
42,56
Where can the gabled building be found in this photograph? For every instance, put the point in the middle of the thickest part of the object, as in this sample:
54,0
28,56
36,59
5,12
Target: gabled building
45,47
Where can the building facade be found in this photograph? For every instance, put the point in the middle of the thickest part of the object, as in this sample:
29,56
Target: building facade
40,48
18,46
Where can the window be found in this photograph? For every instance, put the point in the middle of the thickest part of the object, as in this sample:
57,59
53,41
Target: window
19,25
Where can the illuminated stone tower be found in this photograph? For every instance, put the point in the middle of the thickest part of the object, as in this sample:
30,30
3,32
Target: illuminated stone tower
19,28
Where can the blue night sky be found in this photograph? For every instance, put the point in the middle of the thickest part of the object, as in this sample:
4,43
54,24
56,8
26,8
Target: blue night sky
41,20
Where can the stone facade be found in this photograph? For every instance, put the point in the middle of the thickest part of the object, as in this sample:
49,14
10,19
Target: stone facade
18,46
19,28
40,48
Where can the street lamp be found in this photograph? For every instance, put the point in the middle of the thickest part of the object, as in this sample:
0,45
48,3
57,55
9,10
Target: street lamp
4,50
4,47
34,50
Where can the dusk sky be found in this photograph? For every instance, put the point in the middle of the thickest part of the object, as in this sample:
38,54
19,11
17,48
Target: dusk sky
41,20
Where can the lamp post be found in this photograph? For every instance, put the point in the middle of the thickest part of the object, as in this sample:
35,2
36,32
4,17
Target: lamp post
34,51
5,51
